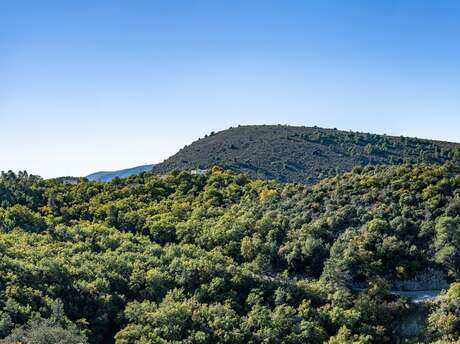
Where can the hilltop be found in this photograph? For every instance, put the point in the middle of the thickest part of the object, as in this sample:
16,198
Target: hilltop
303,154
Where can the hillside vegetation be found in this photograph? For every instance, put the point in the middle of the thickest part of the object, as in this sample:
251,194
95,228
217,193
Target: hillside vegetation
222,258
302,154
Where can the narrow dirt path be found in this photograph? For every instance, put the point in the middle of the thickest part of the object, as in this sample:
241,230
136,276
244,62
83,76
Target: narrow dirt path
417,296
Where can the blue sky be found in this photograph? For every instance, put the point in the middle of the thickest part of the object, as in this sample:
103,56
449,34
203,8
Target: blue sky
100,85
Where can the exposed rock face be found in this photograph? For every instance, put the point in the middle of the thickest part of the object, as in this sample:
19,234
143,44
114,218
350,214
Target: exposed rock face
413,324
429,279
419,290
423,287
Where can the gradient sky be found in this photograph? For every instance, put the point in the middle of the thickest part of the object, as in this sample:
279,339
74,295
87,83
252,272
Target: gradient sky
100,85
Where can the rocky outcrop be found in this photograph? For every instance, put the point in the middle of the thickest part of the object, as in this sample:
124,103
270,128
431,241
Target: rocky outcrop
413,323
423,287
429,279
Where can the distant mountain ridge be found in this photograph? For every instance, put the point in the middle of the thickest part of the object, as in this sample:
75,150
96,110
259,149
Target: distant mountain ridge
303,154
106,176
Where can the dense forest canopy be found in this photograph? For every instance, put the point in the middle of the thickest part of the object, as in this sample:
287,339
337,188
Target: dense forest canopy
184,258
303,154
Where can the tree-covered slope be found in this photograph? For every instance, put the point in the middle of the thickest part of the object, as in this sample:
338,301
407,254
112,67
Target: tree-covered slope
222,258
302,154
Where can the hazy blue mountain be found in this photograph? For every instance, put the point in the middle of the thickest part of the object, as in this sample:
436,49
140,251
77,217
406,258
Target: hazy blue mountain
105,176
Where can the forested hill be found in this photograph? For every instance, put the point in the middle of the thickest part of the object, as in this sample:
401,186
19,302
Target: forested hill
302,154
222,258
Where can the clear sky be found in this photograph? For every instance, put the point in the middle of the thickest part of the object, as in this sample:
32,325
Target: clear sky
100,85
